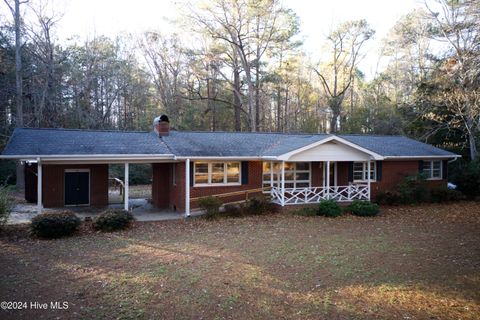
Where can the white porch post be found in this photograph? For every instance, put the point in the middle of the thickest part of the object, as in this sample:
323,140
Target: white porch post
187,188
368,180
283,183
39,186
125,195
328,179
271,174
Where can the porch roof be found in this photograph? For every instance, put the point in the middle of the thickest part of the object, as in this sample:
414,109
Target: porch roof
29,143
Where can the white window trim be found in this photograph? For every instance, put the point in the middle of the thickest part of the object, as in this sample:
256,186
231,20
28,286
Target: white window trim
209,174
430,173
272,182
373,167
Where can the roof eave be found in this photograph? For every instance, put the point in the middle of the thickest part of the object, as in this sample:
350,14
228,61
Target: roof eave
90,157
453,156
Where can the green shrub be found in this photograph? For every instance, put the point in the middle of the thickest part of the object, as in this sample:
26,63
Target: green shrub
6,205
363,208
55,224
211,206
413,189
445,195
329,208
258,205
113,219
388,198
467,179
233,210
306,211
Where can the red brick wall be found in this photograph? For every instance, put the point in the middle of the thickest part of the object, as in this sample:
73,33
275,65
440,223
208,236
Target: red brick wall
166,194
342,173
317,174
30,182
393,172
161,184
53,184
177,193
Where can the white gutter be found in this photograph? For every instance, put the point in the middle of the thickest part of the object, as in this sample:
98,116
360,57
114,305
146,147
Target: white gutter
226,157
92,157
422,157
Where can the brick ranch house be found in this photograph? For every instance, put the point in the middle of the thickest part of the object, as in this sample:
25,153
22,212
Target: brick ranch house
66,167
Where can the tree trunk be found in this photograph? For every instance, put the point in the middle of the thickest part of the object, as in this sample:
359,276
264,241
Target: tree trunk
19,88
257,95
472,141
279,109
237,102
335,106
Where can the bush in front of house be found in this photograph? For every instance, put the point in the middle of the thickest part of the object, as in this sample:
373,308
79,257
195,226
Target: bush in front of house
329,208
55,224
364,208
211,206
6,205
112,220
414,189
258,205
233,210
389,198
467,179
445,195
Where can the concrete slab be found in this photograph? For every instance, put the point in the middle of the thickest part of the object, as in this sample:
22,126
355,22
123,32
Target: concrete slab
141,209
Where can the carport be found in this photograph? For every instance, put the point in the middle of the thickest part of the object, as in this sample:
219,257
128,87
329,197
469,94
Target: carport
66,167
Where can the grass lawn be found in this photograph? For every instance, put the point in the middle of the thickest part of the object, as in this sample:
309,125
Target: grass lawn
418,262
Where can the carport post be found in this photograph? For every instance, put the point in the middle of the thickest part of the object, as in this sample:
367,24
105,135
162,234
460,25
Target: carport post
368,180
39,186
125,195
283,183
327,173
187,188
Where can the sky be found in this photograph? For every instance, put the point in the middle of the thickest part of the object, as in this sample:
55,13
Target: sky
88,18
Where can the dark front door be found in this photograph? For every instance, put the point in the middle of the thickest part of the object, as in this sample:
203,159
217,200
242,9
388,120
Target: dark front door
77,188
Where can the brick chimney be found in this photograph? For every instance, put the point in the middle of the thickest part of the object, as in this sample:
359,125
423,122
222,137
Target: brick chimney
161,125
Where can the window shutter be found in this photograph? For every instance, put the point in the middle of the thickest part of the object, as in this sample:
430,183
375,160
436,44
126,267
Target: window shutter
379,170
445,169
244,172
350,171
191,174
420,166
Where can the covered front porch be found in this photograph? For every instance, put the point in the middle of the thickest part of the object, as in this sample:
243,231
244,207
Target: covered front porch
322,180
331,169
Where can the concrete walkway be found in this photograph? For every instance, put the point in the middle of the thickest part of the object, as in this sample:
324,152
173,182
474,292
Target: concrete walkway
141,209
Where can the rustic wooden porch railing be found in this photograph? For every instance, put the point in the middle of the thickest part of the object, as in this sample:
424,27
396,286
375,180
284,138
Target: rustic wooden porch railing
247,193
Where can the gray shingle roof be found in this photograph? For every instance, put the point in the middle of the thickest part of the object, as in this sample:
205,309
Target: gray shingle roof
82,142
196,144
236,143
394,146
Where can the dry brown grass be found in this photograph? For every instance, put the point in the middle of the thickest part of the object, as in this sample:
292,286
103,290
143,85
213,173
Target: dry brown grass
418,262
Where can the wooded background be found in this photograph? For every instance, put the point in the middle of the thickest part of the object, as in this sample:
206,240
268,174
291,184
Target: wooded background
243,68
